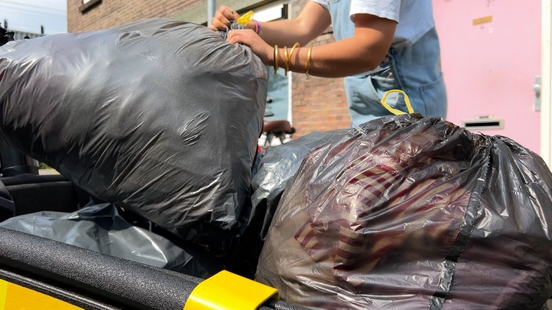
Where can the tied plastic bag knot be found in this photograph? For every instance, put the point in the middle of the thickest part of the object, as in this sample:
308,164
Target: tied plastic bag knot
240,23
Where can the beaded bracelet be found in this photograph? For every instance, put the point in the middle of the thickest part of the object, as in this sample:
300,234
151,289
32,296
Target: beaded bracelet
257,27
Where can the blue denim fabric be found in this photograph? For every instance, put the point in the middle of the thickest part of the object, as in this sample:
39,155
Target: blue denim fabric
415,69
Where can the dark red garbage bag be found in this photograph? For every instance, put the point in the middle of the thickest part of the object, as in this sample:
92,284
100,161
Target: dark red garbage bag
408,212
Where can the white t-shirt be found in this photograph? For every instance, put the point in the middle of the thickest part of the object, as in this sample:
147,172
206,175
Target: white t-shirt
414,17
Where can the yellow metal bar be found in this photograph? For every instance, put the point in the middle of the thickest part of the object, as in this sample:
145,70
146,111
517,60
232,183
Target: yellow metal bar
3,294
226,290
16,297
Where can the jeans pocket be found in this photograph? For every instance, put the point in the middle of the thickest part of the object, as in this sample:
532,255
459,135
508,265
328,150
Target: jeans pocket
434,96
385,78
366,92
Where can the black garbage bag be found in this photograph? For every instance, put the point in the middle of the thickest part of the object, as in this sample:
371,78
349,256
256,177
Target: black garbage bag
5,36
408,212
159,117
276,170
100,228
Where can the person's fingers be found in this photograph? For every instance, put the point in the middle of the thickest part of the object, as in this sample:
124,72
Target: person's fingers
223,8
251,39
240,36
222,18
235,36
228,12
231,37
212,25
231,14
219,21
217,25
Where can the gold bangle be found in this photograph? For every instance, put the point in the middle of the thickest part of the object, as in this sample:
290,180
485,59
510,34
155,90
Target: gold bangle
286,65
288,58
308,61
275,59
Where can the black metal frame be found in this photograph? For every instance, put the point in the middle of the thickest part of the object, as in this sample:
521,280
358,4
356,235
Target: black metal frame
92,280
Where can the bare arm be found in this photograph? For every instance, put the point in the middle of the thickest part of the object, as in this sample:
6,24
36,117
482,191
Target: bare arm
362,52
310,23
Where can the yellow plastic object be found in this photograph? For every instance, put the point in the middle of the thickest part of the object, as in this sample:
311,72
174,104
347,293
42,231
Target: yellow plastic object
226,290
393,110
13,296
245,18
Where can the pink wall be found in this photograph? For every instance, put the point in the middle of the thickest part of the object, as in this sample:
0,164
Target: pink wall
490,68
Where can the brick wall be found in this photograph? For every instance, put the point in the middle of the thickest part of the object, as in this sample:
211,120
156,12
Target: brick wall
110,13
319,104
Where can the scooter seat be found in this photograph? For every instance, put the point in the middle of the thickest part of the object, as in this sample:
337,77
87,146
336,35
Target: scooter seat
278,126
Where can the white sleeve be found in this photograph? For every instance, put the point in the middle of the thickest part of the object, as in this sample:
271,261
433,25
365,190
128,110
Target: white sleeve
323,3
389,9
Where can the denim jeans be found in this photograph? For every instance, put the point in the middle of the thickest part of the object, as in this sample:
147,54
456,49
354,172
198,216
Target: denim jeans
415,69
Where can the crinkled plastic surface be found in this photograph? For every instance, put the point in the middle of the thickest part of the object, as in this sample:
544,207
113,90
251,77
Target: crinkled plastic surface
101,229
233,25
277,168
408,212
158,116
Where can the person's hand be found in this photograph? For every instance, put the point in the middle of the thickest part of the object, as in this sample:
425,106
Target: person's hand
222,18
255,42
